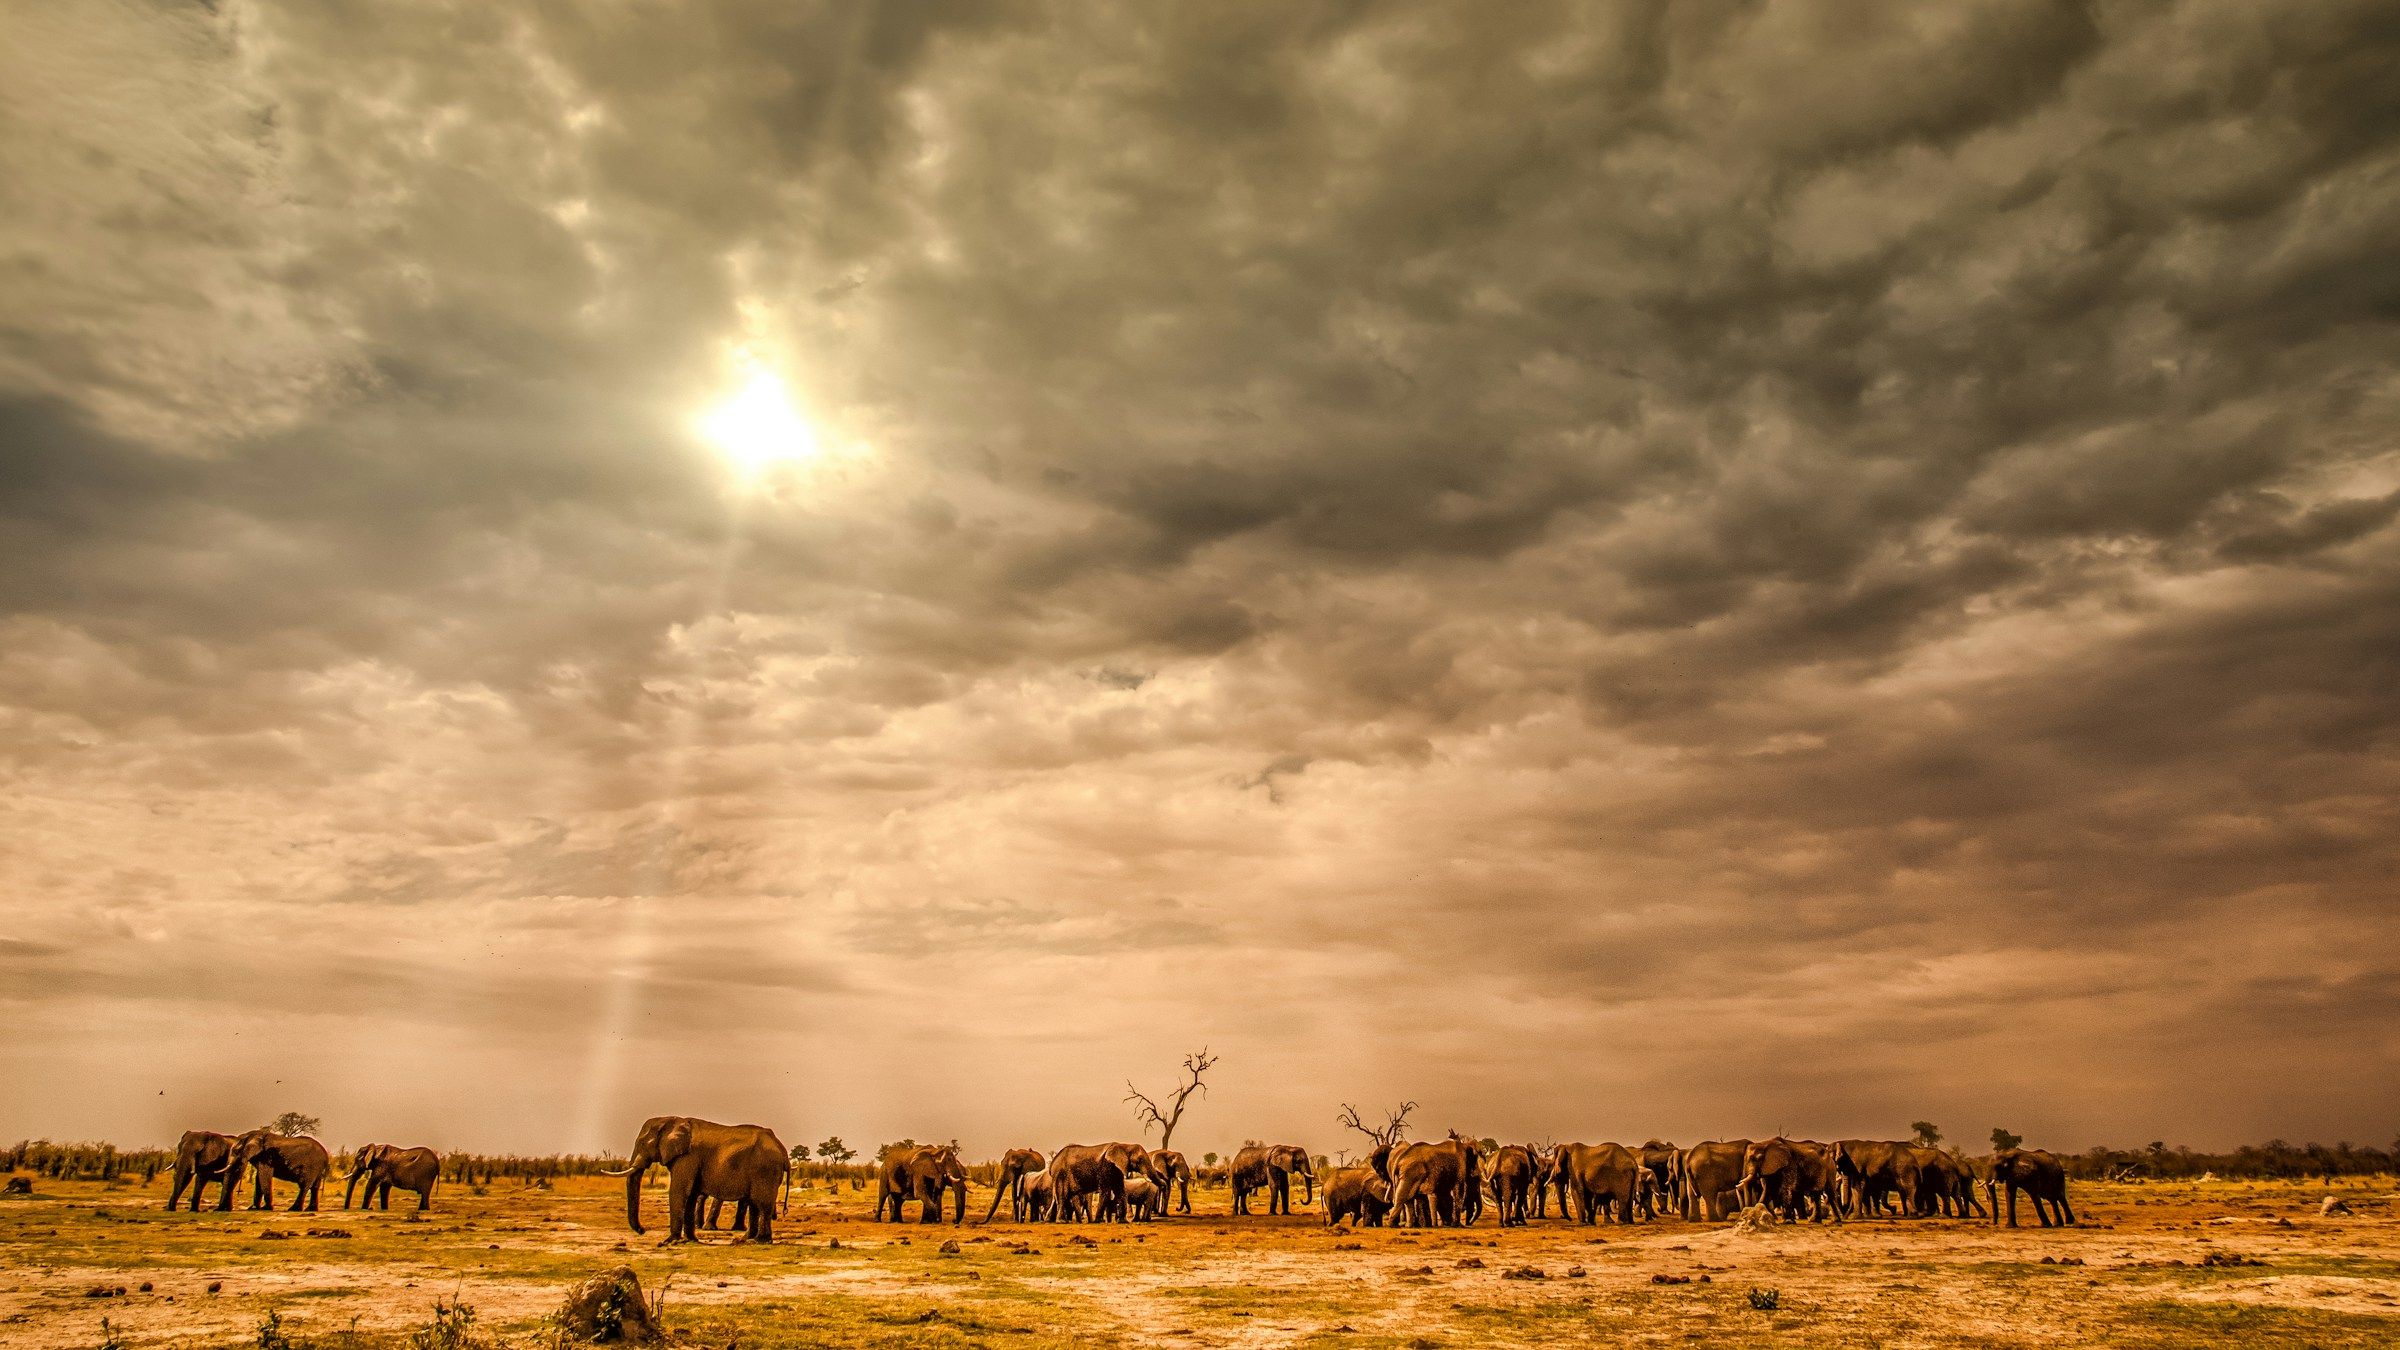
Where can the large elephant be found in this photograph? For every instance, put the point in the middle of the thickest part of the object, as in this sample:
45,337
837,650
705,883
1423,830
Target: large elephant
1015,1166
387,1165
923,1172
1086,1182
1945,1184
1710,1173
1662,1169
1178,1173
1792,1177
1355,1195
1593,1179
1511,1173
203,1156
270,1157
1272,1166
1434,1182
705,1161
1877,1170
2039,1174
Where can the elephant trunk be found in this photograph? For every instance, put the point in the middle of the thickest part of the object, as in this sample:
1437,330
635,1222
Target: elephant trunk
1008,1174
633,1192
352,1188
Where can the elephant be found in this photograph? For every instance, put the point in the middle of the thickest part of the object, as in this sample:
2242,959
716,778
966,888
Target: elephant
1791,1176
1945,1185
1178,1174
1085,1179
704,1161
1015,1166
1134,1161
1434,1182
1511,1172
1355,1195
270,1157
1594,1179
203,1156
387,1165
1876,1170
1709,1173
1144,1199
1662,1166
922,1172
1542,1170
1041,1196
2039,1174
1272,1166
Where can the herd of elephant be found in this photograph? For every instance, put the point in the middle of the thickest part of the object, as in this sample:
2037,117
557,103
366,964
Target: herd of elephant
1446,1181
203,1156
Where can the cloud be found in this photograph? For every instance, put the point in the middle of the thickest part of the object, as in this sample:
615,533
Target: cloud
1799,557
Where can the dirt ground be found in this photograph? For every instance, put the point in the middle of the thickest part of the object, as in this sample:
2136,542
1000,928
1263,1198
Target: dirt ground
2150,1265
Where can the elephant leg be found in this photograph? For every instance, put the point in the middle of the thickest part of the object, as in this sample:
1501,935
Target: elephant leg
2012,1204
678,1186
2066,1212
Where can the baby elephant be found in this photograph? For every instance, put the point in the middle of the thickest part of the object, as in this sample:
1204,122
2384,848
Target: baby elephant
1357,1196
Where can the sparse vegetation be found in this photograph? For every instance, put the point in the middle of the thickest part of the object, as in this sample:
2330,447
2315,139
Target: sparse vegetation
2141,1275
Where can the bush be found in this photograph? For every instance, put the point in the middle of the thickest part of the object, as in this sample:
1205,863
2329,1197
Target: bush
1766,1300
452,1328
271,1334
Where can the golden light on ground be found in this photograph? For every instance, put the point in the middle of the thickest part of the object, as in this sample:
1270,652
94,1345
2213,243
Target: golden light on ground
760,427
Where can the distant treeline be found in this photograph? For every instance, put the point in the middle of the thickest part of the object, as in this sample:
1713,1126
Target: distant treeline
2271,1160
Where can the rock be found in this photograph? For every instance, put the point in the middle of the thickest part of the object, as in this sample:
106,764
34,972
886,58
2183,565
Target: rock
1470,1263
1525,1273
949,1248
609,1309
2334,1207
20,1186
1574,1272
1670,1279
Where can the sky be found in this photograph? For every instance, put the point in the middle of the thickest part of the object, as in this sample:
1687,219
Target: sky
1614,571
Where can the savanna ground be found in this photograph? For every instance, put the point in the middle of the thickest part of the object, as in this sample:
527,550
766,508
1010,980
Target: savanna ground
371,1279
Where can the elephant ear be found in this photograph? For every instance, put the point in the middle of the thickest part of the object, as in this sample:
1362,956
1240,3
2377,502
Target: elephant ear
674,1141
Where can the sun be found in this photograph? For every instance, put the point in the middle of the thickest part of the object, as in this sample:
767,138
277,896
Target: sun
759,427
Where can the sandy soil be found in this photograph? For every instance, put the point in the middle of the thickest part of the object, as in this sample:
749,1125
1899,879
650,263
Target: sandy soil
2150,1265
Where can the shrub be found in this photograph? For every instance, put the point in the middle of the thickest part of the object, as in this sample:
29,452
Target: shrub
452,1327
1766,1300
271,1335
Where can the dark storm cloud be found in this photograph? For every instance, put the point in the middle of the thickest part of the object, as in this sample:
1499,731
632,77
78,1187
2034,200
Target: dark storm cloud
1778,535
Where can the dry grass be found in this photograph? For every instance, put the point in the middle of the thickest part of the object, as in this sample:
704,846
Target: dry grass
1210,1280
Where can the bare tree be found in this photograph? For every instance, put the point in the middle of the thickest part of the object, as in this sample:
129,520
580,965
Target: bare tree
1394,1126
1147,1112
